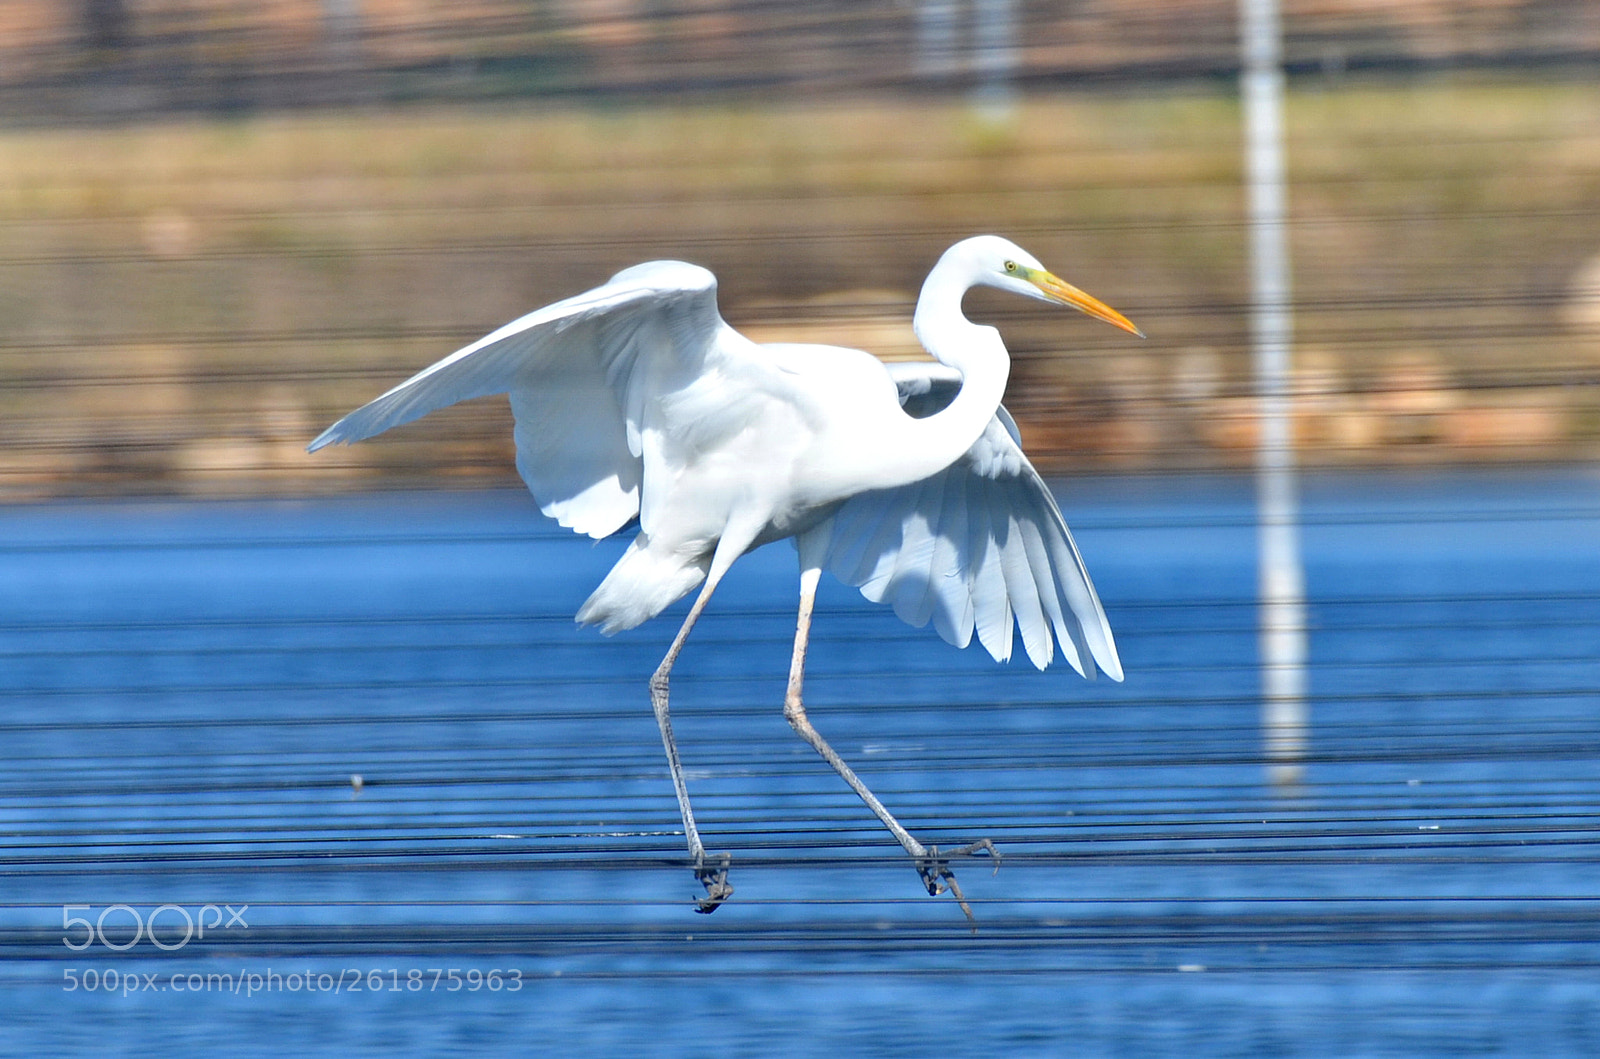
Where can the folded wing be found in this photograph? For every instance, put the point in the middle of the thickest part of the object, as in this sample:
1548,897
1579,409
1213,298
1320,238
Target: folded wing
980,547
579,374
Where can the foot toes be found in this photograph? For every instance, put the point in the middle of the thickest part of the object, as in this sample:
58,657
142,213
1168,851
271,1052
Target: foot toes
716,893
986,846
934,871
938,878
715,880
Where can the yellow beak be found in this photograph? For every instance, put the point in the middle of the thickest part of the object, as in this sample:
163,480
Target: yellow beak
1059,290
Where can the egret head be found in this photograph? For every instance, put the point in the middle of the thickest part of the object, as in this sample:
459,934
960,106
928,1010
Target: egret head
1000,263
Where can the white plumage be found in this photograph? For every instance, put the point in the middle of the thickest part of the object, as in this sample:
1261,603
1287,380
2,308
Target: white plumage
635,400
979,546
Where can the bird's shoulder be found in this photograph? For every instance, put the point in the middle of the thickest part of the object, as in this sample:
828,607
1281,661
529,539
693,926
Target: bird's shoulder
833,380
837,365
665,276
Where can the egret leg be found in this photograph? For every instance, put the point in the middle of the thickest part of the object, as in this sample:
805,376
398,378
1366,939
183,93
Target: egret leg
931,864
713,878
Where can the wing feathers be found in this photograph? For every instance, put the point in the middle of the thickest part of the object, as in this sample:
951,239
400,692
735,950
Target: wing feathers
1091,631
913,590
1023,592
979,548
521,351
952,615
1049,596
991,611
580,374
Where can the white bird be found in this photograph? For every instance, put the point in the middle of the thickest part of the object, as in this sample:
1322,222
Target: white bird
635,401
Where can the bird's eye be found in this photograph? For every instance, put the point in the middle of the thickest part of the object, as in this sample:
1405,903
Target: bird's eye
1011,266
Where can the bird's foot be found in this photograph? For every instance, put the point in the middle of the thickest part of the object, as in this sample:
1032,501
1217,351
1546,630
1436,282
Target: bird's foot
715,880
935,869
936,875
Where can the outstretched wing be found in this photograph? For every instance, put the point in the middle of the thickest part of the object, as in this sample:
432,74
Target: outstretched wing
579,374
979,547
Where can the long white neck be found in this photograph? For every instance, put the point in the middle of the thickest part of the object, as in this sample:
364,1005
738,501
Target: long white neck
929,445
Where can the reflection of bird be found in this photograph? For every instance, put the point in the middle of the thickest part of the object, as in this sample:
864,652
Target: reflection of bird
636,402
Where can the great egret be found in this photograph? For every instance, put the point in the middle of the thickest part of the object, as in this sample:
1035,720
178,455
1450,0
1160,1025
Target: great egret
635,401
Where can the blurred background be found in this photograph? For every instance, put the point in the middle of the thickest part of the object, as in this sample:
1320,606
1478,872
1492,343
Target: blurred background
345,690
225,224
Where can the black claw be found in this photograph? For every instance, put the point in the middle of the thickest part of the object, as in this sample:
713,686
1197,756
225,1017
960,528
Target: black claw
715,880
938,878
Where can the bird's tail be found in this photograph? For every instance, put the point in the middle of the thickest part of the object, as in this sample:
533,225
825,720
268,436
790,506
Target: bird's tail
640,586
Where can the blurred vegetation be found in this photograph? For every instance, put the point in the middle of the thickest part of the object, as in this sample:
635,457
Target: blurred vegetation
185,302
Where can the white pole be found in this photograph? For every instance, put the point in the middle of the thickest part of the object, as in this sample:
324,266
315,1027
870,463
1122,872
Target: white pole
995,58
936,58
1281,585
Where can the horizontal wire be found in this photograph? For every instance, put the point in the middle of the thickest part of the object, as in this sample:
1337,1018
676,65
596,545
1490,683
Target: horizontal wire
829,824
1327,607
1086,731
1109,900
1310,517
1125,703
1526,661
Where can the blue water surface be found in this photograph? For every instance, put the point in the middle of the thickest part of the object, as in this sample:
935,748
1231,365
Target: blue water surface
190,688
